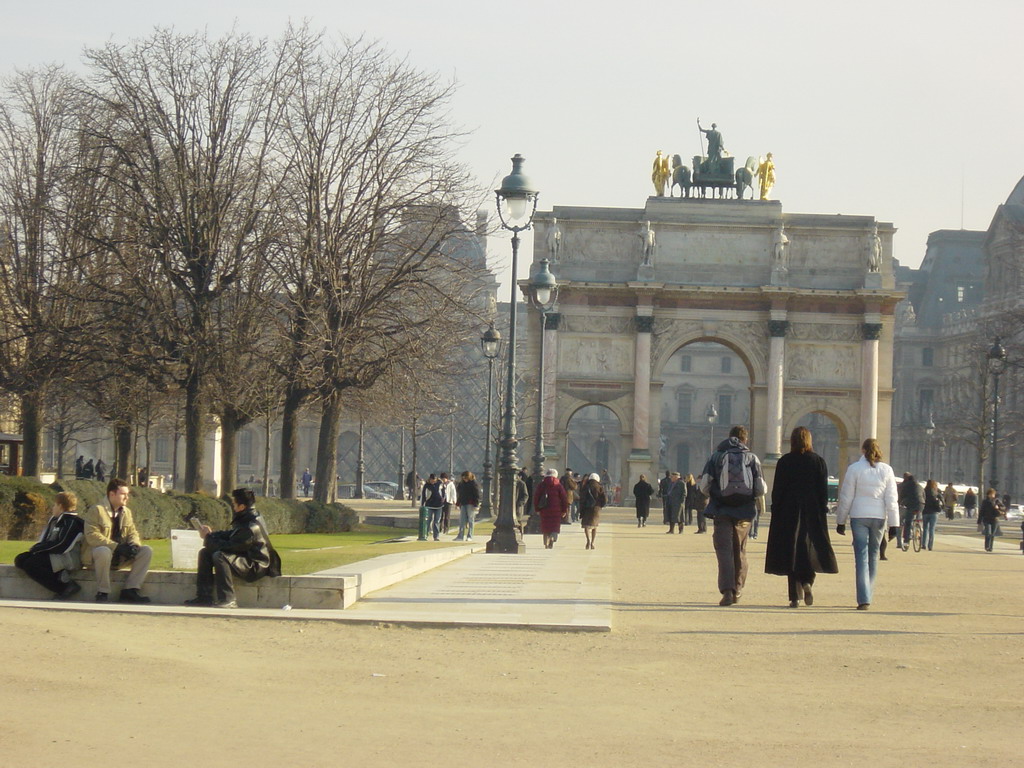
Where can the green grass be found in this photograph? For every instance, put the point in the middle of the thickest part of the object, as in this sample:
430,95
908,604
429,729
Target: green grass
303,553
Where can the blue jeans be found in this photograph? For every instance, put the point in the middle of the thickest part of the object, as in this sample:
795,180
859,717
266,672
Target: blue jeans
990,535
434,522
928,535
867,537
467,516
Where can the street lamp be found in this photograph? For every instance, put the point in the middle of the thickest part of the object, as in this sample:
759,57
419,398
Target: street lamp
360,465
930,430
400,492
712,417
996,365
541,292
490,343
517,202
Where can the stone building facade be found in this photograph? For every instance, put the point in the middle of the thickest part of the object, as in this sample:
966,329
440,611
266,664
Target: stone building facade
806,302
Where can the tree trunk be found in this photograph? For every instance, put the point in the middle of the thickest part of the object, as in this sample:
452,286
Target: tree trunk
327,449
230,423
122,452
194,437
31,432
415,495
266,459
289,437
62,445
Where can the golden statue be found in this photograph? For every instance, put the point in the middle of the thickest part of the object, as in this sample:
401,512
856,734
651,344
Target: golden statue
766,173
660,174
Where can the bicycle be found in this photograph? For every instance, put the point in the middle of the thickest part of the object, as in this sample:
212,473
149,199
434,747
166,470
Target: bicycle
916,534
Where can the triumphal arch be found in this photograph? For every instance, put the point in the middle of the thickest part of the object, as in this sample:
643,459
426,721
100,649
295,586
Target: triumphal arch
805,300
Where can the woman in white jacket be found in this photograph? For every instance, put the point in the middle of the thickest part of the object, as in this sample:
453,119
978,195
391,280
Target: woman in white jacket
868,499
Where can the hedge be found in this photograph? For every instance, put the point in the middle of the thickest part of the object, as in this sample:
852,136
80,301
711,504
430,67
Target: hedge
157,513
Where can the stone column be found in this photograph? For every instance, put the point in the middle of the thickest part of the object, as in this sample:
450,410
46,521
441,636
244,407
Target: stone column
642,386
869,382
551,325
776,378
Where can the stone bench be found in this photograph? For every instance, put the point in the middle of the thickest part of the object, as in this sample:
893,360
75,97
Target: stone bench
175,587
336,588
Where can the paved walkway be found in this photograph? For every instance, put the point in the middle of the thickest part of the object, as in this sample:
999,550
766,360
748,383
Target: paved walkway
565,588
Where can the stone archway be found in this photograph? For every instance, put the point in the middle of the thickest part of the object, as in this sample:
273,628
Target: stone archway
831,436
806,301
593,442
697,375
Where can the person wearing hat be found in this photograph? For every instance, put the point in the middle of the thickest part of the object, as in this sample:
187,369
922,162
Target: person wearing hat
592,499
551,502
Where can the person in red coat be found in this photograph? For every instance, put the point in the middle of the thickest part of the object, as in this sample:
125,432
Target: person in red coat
551,502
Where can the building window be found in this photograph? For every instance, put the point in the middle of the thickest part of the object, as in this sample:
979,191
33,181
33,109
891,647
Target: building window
245,448
685,399
683,459
726,365
685,361
725,409
961,294
928,357
162,449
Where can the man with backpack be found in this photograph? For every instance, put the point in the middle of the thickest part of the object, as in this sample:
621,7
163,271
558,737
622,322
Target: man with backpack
733,481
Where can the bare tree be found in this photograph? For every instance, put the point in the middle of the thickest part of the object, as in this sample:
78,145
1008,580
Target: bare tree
67,416
187,125
39,147
373,199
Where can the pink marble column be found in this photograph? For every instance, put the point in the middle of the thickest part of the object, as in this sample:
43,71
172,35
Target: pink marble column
550,373
869,382
642,385
776,380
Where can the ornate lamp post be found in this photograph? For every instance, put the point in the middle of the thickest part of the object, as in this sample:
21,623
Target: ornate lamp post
541,292
996,365
712,417
517,202
490,343
400,493
357,492
930,430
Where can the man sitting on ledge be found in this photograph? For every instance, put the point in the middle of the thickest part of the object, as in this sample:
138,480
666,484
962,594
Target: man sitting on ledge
112,541
244,549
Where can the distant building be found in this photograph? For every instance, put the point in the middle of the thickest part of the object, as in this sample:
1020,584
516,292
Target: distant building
935,325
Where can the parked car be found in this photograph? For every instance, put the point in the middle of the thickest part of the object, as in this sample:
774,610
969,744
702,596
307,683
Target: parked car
389,489
348,491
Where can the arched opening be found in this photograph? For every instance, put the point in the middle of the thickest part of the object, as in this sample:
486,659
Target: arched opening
593,443
825,438
705,391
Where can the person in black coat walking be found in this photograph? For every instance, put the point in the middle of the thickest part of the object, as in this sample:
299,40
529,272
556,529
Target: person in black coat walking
642,493
798,539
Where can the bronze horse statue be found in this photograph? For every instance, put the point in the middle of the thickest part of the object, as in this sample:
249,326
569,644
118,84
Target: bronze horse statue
745,178
680,177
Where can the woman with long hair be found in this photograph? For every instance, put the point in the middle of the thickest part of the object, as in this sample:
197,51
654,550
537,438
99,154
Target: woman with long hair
867,499
798,541
930,515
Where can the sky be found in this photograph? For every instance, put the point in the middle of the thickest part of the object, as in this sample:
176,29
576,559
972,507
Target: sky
905,110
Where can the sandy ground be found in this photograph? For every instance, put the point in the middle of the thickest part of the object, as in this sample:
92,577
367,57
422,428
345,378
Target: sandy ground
931,676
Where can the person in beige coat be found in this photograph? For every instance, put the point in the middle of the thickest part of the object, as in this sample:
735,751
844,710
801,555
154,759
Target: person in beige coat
112,541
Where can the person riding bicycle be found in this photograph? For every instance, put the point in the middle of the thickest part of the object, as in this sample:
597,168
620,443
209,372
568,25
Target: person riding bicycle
911,497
